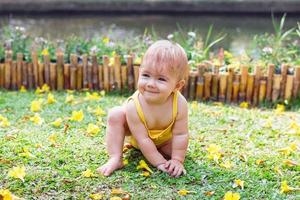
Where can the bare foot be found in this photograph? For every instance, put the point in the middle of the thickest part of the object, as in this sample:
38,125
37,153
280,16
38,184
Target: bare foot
111,165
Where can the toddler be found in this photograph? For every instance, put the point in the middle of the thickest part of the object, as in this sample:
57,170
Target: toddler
155,117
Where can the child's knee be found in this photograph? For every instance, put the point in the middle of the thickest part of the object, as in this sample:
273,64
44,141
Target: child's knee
116,116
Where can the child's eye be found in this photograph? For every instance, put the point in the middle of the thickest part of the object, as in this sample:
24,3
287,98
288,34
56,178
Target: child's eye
145,75
162,79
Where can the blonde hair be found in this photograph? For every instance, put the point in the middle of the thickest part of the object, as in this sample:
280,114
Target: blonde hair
164,54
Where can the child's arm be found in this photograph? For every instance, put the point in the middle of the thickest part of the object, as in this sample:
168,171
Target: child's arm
179,140
139,132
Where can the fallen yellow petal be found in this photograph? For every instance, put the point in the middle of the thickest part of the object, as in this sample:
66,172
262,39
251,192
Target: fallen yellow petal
231,196
17,172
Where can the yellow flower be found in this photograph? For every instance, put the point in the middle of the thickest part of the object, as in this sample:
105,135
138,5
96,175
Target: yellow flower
38,145
105,40
92,129
69,98
183,192
194,105
238,183
268,124
96,196
93,96
280,108
145,174
244,104
259,162
227,164
17,172
137,61
36,119
35,106
5,195
143,165
45,52
294,146
284,187
99,111
115,198
102,93
23,89
51,99
26,153
278,171
125,162
286,151
77,116
38,90
4,122
232,196
52,138
214,152
290,163
45,88
87,173
57,122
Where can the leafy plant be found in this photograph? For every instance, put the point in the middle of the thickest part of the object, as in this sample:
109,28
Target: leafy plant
274,48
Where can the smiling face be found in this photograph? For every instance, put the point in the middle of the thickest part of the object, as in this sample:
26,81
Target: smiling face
163,69
157,85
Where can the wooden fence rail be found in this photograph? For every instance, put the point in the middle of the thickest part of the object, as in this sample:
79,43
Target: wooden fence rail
202,84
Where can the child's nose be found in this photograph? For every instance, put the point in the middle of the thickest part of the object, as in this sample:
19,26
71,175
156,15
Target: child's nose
151,83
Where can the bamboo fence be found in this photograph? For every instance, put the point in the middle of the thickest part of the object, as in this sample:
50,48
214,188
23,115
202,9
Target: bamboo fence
202,84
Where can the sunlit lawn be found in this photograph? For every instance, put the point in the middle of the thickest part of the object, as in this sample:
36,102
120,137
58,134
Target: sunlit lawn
259,147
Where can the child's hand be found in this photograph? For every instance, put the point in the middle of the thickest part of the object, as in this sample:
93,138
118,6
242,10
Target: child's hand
161,167
174,168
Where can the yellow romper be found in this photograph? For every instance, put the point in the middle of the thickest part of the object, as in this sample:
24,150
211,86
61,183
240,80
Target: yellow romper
157,136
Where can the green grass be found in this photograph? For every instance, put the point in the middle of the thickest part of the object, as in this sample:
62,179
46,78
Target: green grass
54,172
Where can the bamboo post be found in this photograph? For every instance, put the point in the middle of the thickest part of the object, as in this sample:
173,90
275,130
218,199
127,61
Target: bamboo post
235,92
124,77
47,69
53,76
257,77
214,87
284,69
288,87
271,70
296,82
250,85
130,73
19,69
262,90
207,85
14,75
85,71
90,75
79,76
243,83
2,75
30,75
41,74
229,85
35,62
73,71
223,86
106,73
7,69
95,73
60,70
192,83
117,72
136,69
200,82
100,76
112,85
24,74
67,75
276,87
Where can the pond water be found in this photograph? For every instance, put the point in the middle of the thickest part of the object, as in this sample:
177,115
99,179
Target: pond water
239,29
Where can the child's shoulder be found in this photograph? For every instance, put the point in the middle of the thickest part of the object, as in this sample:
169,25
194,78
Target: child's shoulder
182,105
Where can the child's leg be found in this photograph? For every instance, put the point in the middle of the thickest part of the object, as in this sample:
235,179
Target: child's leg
115,135
166,150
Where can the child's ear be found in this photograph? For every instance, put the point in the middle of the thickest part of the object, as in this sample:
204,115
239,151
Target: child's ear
180,84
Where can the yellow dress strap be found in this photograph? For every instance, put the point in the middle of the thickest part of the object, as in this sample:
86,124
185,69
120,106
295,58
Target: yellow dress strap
175,103
139,108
